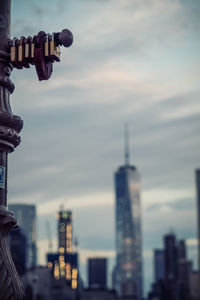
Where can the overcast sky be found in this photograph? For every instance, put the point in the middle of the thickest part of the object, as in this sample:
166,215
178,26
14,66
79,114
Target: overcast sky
134,61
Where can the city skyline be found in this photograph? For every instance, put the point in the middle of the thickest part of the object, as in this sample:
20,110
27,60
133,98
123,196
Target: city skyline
175,277
130,62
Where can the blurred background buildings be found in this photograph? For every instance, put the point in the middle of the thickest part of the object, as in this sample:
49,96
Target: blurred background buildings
131,60
174,275
198,212
26,218
97,273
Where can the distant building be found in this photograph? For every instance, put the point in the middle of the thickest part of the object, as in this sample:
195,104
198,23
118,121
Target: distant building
97,273
159,264
65,231
26,218
98,294
198,213
158,291
17,243
194,285
184,271
64,263
39,284
177,283
181,250
128,271
170,257
64,266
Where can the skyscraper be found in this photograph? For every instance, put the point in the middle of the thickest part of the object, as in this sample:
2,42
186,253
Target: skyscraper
178,270
159,264
128,271
171,257
198,213
64,263
65,231
97,273
26,218
17,243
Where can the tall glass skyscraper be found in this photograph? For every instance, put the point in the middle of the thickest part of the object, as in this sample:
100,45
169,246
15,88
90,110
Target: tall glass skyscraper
198,213
159,265
26,218
128,270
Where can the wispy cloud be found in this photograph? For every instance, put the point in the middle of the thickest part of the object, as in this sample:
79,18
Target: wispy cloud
133,61
192,242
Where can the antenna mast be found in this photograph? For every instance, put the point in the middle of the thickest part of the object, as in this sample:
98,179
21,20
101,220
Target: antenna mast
126,140
49,236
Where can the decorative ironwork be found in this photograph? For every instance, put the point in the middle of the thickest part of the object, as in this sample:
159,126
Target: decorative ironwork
42,51
10,285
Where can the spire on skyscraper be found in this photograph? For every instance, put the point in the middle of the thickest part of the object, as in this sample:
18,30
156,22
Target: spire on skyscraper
127,277
126,140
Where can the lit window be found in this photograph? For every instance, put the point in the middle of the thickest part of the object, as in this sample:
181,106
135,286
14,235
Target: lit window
74,273
56,272
68,271
74,284
61,250
50,265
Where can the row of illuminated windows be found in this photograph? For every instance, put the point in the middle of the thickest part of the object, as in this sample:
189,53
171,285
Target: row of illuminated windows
65,215
68,229
62,269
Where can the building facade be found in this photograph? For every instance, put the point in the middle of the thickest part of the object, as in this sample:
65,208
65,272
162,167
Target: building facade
39,284
171,257
26,218
64,263
198,213
64,267
128,269
159,264
194,285
17,244
176,284
97,273
65,231
98,294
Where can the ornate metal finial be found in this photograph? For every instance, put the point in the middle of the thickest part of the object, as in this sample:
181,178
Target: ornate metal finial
42,51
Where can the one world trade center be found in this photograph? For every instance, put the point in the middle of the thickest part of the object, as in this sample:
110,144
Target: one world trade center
128,269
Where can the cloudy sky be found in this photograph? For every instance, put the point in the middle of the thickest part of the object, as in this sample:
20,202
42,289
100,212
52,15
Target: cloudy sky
134,61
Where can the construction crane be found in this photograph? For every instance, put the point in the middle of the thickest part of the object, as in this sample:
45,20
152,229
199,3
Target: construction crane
49,236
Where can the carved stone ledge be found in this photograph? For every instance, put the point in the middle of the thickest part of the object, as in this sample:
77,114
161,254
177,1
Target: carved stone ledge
10,285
